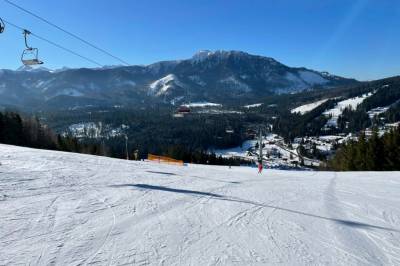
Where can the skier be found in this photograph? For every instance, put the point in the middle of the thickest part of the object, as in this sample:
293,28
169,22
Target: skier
260,166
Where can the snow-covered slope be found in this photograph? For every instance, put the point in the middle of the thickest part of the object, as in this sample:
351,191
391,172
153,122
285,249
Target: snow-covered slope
203,104
164,85
351,103
308,107
69,209
255,105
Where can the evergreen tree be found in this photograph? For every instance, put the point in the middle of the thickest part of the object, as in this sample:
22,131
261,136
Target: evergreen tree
373,154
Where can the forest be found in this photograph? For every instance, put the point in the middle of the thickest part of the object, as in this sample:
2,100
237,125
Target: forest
29,132
369,154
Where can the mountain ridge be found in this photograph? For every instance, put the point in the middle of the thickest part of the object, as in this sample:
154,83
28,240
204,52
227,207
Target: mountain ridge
223,76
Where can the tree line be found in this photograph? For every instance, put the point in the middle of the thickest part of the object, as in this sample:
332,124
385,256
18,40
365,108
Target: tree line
29,132
369,154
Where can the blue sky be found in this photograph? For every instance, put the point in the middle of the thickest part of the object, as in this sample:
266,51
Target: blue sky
358,38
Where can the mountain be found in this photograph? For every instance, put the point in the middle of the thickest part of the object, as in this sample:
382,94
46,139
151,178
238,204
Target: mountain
219,76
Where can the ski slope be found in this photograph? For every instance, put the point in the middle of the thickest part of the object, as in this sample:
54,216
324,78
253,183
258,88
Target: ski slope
308,107
351,103
70,209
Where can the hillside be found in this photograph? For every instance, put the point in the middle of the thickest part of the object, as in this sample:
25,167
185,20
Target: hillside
222,76
64,208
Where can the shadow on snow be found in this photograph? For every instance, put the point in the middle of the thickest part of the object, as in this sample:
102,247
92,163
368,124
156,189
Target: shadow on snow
160,173
239,200
167,189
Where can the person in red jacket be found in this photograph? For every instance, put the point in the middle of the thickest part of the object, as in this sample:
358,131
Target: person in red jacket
260,166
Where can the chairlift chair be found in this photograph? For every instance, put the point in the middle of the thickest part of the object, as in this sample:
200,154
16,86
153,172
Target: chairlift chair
30,55
2,26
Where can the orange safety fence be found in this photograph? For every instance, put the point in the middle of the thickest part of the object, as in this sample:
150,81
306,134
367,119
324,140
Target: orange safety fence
163,159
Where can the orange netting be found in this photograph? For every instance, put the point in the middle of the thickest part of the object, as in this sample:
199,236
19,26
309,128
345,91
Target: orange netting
163,159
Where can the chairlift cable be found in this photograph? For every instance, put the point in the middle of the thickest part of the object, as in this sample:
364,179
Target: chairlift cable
54,44
67,32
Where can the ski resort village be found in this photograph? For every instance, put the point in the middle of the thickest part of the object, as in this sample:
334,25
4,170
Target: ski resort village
306,152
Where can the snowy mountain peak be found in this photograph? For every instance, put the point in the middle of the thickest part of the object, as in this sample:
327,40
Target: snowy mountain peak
164,85
202,55
62,69
163,66
220,54
33,68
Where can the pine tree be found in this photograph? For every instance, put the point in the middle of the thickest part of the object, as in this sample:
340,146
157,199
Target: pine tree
360,155
375,153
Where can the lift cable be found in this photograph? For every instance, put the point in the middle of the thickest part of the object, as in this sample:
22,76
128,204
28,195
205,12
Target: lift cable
66,32
54,44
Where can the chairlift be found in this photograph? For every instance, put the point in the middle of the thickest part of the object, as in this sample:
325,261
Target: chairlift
2,26
30,55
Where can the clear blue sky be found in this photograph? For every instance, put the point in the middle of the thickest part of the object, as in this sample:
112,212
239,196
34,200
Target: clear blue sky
354,38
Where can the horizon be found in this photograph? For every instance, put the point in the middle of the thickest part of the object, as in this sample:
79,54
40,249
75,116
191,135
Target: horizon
355,40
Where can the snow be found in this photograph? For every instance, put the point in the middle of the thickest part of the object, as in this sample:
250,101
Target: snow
240,151
218,111
36,68
340,106
377,111
312,77
253,105
301,80
73,209
201,55
95,130
69,92
176,100
235,84
197,80
308,107
163,85
110,67
203,104
164,65
393,125
276,154
61,69
84,129
297,81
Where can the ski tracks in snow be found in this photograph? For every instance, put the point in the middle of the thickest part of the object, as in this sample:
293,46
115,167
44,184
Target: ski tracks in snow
363,249
102,200
84,210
